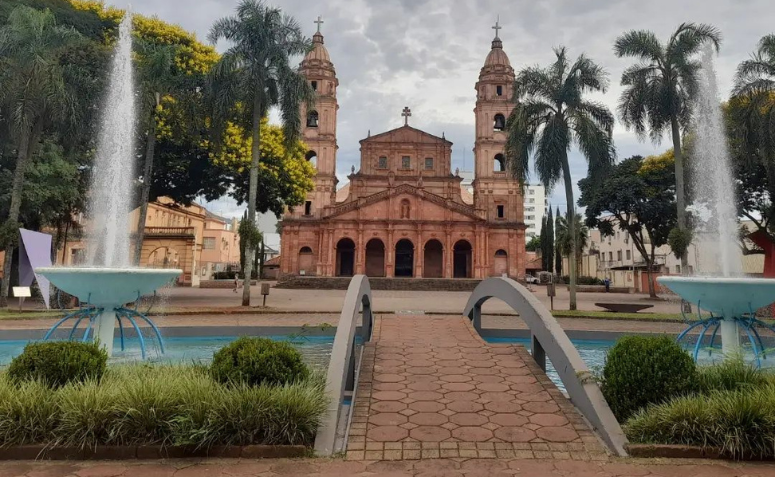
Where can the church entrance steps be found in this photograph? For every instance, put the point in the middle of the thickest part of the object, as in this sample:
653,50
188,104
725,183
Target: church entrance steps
430,387
418,284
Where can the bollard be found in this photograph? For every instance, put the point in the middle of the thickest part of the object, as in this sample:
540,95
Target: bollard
264,292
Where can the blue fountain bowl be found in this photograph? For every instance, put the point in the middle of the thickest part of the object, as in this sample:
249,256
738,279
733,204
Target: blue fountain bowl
723,296
108,287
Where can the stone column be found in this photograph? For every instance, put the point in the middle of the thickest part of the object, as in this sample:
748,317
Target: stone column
390,252
419,254
448,255
360,253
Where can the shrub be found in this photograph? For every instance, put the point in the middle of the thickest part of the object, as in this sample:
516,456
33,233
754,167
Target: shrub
642,370
256,361
741,423
59,362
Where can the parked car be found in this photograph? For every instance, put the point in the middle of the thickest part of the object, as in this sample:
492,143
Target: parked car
531,279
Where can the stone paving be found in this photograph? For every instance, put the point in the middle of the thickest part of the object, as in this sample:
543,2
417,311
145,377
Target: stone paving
432,388
418,468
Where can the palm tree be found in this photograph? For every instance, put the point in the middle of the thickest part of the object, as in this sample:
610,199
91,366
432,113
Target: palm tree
158,79
658,91
754,107
251,77
551,114
565,242
34,93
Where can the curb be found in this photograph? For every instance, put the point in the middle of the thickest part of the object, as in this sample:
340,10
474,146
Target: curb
43,452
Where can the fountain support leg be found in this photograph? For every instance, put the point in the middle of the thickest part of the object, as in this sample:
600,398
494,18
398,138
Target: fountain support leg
105,326
730,337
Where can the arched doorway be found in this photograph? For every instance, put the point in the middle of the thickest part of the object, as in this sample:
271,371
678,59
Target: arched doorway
312,157
462,263
433,266
500,265
404,258
375,258
345,258
306,261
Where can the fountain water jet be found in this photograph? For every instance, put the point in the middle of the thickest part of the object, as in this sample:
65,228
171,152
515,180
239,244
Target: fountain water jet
732,299
108,283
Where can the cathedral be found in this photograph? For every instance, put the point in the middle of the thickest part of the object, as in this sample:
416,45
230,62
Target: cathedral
404,212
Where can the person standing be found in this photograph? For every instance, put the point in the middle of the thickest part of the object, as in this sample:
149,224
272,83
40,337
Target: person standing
607,282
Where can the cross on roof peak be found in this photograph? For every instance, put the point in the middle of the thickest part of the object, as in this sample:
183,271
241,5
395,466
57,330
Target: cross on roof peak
319,22
406,113
497,26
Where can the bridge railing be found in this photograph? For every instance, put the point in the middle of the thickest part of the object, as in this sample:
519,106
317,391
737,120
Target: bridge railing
342,372
548,339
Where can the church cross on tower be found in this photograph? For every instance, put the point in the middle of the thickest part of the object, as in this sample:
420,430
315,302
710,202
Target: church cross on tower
319,22
406,113
497,26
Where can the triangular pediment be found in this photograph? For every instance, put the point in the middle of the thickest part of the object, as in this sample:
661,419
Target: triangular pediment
403,189
406,134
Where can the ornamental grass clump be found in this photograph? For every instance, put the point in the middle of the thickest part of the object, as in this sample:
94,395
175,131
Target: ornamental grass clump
740,422
59,362
643,370
159,405
257,361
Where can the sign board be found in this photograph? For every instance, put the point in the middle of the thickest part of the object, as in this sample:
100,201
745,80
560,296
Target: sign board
550,289
22,292
264,288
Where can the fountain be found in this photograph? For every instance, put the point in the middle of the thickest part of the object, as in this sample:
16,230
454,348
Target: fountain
731,299
108,282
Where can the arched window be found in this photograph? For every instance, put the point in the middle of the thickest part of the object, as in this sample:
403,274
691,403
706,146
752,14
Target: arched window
499,122
305,250
312,157
499,163
312,119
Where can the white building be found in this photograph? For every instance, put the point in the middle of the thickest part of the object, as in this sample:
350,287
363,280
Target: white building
535,204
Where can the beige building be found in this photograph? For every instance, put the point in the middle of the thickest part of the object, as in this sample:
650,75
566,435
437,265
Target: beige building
176,236
617,258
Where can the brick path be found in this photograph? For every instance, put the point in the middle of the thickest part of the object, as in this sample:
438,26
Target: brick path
431,387
417,468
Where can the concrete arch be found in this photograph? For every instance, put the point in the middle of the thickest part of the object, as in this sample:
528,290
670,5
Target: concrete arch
344,365
549,339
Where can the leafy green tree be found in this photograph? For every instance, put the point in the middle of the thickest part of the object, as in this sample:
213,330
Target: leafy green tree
566,242
750,118
534,244
659,89
34,92
552,114
638,197
254,75
550,243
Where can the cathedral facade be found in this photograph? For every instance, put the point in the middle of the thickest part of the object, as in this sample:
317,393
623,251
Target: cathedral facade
404,212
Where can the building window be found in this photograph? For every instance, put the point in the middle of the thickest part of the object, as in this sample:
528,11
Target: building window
610,256
499,122
312,119
531,201
678,269
428,163
531,191
382,163
208,243
619,255
308,208
501,212
499,90
314,85
499,164
530,217
406,163
627,254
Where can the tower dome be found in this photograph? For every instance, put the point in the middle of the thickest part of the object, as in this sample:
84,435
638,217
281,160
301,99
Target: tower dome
496,56
319,51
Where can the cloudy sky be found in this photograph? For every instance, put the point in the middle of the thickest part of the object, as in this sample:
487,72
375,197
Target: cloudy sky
426,54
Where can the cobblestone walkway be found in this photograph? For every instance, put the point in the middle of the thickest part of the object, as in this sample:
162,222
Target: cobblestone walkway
432,388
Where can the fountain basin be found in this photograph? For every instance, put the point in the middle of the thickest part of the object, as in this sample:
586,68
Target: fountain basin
108,287
723,296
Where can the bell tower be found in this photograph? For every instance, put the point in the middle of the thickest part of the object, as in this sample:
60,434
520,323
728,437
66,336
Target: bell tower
319,126
496,194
